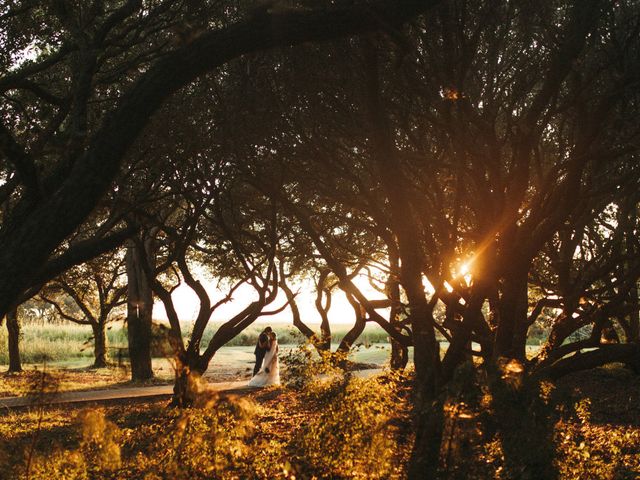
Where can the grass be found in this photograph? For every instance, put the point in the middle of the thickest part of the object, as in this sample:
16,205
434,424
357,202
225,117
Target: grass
68,342
32,380
273,433
71,344
57,343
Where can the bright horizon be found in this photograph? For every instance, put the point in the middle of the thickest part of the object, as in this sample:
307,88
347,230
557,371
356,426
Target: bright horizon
341,313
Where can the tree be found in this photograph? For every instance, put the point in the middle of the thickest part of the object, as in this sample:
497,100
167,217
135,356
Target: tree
49,191
94,289
140,305
13,337
324,292
306,180
231,240
474,145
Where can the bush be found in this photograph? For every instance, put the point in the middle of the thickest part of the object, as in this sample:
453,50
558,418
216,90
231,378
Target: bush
304,365
355,432
197,443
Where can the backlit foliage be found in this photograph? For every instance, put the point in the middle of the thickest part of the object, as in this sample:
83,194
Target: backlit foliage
304,363
336,427
355,433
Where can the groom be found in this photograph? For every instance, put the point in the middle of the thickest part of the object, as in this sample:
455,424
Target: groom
262,347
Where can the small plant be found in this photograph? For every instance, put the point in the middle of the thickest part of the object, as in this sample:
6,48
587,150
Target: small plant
100,445
304,365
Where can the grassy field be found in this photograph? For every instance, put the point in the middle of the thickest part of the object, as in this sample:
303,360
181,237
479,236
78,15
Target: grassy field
71,342
65,351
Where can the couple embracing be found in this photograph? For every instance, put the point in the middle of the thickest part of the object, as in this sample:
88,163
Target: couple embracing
267,371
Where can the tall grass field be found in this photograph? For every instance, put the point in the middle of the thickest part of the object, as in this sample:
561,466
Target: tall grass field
66,342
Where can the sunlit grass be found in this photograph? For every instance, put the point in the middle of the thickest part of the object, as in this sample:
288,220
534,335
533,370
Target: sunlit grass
40,343
65,380
68,342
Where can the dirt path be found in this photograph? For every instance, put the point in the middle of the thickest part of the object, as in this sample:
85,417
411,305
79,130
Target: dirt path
106,395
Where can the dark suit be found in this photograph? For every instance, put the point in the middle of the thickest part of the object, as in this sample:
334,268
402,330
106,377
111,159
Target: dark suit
260,352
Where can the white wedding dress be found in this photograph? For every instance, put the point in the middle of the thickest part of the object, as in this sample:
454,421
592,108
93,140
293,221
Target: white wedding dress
270,362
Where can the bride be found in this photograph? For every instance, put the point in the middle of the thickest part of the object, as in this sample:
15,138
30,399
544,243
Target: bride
269,374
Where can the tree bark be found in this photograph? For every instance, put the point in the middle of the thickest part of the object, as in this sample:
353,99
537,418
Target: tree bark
13,330
511,335
628,353
425,455
324,344
99,344
525,425
399,352
139,315
634,328
295,313
351,336
187,385
634,318
357,329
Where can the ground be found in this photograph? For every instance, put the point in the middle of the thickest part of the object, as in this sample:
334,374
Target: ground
229,364
334,429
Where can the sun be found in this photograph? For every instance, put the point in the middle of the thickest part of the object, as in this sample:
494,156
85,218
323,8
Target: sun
464,269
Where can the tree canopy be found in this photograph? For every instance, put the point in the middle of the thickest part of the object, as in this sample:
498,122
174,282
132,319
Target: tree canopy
478,160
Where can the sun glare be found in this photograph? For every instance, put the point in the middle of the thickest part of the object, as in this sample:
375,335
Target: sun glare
464,269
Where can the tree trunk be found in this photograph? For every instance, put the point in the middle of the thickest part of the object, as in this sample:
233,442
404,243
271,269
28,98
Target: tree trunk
525,424
399,355
511,335
353,334
627,353
428,416
425,454
323,309
634,318
139,316
99,344
629,221
188,383
399,352
325,333
13,330
634,328
563,326
295,311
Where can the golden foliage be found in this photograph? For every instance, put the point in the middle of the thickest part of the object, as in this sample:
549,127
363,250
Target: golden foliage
354,434
101,438
338,427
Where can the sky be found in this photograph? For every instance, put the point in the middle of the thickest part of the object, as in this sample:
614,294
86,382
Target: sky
186,302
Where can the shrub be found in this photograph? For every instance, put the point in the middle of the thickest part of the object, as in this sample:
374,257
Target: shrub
209,442
355,433
197,443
